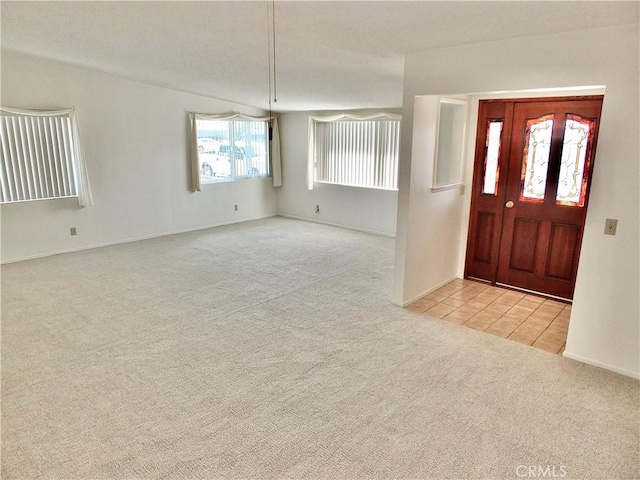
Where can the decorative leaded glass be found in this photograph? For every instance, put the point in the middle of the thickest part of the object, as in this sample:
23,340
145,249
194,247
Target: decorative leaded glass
535,156
491,166
572,180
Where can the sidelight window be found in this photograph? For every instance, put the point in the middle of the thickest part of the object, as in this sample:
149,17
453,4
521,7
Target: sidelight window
492,154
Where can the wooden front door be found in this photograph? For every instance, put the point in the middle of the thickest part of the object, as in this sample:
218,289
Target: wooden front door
532,174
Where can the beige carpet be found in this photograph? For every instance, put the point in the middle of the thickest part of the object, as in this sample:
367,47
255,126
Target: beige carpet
270,349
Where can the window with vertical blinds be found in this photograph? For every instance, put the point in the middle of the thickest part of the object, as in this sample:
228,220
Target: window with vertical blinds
360,152
39,157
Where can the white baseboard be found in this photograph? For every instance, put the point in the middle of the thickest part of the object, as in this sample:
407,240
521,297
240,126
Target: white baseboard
426,292
129,240
595,363
348,227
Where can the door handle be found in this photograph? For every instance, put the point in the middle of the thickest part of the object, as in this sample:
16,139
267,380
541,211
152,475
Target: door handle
509,204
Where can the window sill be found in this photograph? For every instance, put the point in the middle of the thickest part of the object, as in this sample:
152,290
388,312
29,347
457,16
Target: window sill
366,187
442,188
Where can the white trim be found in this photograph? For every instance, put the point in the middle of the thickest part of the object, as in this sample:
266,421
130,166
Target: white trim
595,363
27,200
447,187
339,225
544,92
355,116
37,113
231,116
358,186
426,292
454,101
135,239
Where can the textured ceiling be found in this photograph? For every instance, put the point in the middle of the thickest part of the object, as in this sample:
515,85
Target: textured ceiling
330,54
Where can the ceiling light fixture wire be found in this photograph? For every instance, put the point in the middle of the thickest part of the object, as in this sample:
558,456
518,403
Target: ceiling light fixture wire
273,35
271,60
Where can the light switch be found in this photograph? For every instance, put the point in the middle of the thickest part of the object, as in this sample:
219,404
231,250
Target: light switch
610,226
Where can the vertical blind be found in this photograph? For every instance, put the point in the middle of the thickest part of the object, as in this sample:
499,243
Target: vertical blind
361,153
41,157
37,154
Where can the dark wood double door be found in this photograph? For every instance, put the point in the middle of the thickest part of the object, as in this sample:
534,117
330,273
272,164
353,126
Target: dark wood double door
532,176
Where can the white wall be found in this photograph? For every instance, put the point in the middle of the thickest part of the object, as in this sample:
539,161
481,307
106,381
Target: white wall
428,221
605,323
361,208
136,143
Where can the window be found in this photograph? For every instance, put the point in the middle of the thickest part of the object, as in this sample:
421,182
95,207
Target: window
232,150
229,150
492,155
42,157
574,165
537,149
359,151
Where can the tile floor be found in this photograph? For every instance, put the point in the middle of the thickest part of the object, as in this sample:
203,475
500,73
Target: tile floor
529,319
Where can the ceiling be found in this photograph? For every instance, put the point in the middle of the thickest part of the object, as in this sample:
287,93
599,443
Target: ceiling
329,54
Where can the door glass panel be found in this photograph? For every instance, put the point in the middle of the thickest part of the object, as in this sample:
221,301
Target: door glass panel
572,180
535,157
491,166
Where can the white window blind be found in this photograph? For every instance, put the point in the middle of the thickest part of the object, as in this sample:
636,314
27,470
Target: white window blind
41,157
356,151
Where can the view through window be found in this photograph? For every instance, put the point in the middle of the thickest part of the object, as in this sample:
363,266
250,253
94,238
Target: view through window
232,150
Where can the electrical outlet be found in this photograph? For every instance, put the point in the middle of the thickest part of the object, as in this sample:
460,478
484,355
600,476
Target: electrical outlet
74,231
235,208
610,226
317,208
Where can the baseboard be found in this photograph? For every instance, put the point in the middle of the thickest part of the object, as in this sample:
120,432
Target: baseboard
426,292
348,227
605,366
134,239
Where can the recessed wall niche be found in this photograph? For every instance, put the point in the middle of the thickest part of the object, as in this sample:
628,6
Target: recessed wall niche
452,120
